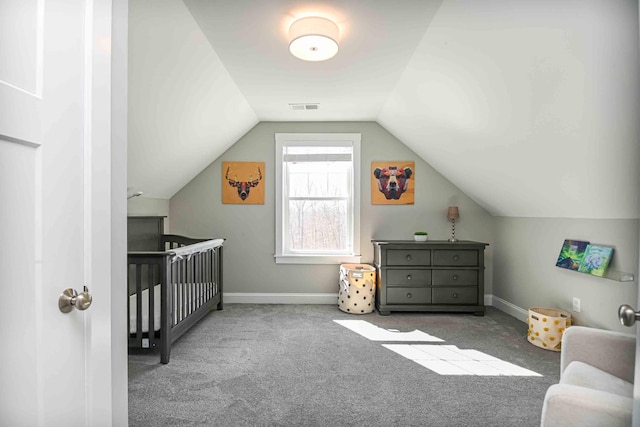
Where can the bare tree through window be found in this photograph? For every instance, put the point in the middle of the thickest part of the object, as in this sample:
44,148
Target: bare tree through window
317,198
318,206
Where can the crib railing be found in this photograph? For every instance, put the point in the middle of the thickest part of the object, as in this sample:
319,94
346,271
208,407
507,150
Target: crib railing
190,277
194,281
174,241
146,270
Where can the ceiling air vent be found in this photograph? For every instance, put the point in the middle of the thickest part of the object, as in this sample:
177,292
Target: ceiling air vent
302,107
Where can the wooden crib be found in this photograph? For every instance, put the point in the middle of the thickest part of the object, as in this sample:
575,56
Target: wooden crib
171,290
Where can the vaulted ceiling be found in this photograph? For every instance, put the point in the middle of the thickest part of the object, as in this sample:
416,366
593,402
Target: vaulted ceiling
529,107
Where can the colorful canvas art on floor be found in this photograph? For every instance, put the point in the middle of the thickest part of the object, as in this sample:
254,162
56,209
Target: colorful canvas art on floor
571,254
596,260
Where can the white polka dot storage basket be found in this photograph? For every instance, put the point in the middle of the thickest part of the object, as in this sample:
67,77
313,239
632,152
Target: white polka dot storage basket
357,288
546,327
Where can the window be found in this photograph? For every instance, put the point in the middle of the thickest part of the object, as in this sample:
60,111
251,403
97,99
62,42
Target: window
318,198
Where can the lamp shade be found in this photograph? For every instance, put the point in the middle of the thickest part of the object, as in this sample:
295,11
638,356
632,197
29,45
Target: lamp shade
453,213
313,39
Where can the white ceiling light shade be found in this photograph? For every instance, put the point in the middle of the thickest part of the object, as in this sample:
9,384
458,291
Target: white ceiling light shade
313,39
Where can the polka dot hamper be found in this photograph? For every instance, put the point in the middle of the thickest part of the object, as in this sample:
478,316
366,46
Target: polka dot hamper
546,327
357,288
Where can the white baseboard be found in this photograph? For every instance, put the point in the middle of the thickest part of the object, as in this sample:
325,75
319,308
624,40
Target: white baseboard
505,306
279,298
331,298
488,299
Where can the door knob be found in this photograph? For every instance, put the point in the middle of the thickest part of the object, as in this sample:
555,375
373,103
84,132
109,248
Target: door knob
70,298
628,315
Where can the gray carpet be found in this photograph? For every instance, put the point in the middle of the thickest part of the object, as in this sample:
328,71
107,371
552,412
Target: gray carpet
291,365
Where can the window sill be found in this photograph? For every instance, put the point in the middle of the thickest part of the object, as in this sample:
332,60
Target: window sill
318,259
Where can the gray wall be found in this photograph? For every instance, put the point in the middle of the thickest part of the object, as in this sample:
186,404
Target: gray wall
525,274
196,210
520,259
149,206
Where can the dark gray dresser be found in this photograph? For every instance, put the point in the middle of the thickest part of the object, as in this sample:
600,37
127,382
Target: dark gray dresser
144,233
429,276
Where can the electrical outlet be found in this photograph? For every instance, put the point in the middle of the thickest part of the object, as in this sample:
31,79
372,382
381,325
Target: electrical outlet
576,304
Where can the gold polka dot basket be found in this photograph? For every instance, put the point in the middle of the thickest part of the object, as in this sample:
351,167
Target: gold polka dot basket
357,288
546,327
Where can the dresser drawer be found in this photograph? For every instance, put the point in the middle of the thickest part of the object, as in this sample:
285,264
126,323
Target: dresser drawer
447,257
455,295
408,277
455,277
430,276
408,295
408,257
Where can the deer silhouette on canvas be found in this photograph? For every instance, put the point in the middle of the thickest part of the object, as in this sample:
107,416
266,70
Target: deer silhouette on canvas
243,186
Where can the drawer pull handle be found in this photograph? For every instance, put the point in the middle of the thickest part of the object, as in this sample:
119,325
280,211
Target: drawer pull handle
455,277
455,295
408,277
456,257
408,257
409,295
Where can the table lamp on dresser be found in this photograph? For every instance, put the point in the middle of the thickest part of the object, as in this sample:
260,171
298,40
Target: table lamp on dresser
453,214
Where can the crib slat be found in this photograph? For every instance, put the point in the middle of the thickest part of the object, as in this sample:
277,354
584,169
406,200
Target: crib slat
129,300
187,289
139,303
210,264
189,285
151,283
184,290
174,300
196,266
213,261
190,263
219,277
199,281
177,267
210,273
183,274
165,315
183,314
190,280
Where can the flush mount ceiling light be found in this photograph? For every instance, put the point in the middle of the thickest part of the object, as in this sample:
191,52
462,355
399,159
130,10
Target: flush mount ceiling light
313,39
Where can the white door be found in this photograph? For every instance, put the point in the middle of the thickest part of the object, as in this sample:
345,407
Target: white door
636,380
56,216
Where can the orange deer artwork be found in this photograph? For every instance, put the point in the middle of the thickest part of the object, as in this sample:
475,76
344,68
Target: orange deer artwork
241,190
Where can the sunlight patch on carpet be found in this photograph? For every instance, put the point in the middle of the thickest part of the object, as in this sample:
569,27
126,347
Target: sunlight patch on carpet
451,360
441,359
376,333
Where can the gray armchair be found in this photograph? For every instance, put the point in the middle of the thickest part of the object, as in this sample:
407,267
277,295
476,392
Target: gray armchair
596,380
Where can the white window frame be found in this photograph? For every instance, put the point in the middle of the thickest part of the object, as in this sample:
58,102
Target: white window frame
315,139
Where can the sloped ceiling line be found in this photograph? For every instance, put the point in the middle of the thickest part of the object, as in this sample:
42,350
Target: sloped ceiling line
511,101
